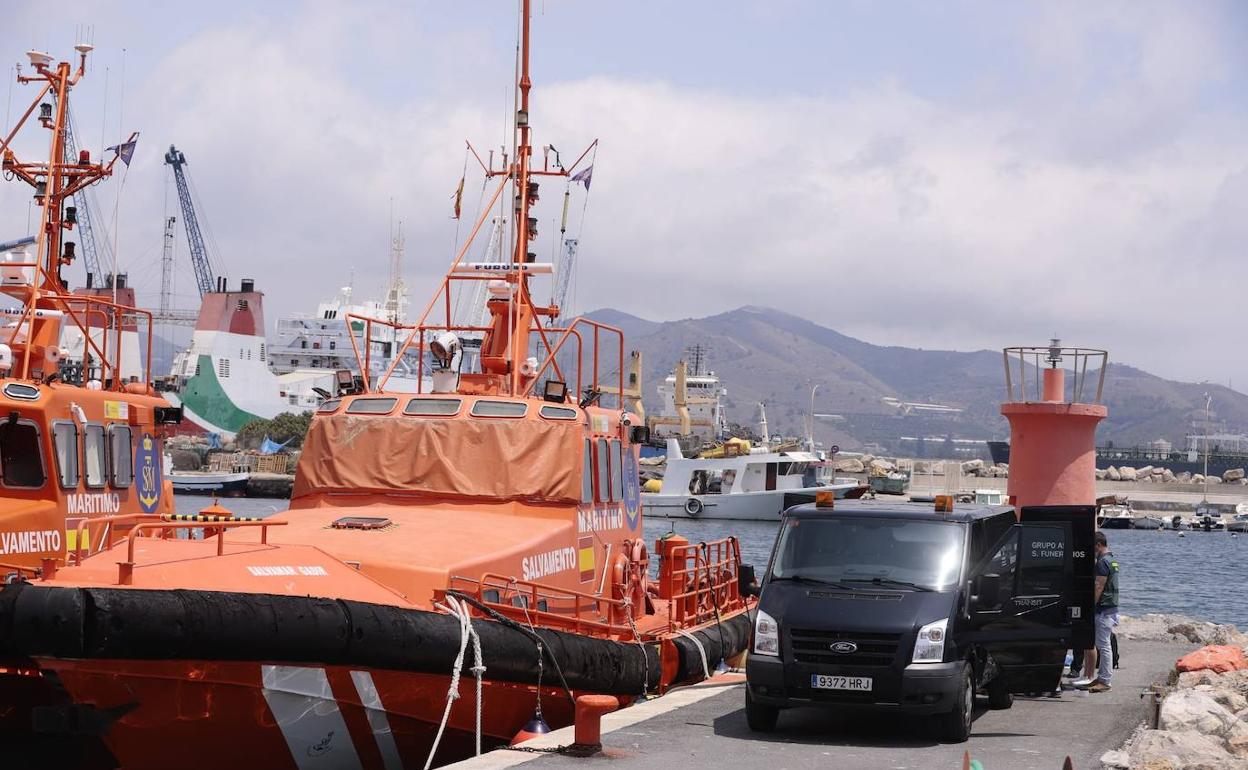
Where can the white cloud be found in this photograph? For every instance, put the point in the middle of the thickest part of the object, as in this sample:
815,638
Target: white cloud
1103,200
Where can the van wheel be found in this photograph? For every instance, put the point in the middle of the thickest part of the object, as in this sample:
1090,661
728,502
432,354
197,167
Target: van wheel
999,695
956,725
760,718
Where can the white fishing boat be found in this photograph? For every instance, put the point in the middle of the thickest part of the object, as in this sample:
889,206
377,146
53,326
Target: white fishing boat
1116,516
751,485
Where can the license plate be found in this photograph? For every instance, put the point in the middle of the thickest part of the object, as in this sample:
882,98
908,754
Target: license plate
826,682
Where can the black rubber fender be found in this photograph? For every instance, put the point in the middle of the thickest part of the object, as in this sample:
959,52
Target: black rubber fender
735,639
131,624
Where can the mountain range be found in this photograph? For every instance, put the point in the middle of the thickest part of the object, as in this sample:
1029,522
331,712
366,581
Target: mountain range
769,356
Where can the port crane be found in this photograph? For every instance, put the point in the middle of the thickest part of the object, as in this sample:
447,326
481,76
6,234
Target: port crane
205,276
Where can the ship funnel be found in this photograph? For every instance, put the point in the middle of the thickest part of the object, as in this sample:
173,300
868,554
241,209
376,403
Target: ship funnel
1053,422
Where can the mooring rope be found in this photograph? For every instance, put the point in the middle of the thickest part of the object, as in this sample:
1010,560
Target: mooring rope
466,633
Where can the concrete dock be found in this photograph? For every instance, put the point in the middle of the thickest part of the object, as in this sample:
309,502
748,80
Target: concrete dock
704,726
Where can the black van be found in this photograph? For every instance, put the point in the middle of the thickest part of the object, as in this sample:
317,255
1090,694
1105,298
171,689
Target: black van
906,608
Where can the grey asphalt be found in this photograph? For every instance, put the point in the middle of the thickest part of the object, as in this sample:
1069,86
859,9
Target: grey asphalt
1036,734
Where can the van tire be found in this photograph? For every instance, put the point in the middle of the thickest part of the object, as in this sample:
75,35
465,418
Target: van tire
760,718
693,507
999,695
955,727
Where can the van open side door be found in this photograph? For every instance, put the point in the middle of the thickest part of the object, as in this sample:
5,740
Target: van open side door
1023,601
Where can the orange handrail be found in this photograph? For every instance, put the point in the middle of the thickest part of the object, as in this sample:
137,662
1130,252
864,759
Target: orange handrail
124,518
125,569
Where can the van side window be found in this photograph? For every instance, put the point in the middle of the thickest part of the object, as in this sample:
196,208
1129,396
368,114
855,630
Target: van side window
617,471
604,472
21,456
65,441
1004,564
94,457
1042,562
120,452
587,473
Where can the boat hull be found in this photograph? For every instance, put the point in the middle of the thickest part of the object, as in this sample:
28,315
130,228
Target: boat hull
204,679
222,484
1149,522
1117,523
216,714
739,506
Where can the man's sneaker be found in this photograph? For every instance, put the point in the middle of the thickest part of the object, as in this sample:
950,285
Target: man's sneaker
1083,684
1099,686
1073,674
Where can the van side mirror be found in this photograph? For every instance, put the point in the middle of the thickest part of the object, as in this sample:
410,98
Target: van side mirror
747,581
985,589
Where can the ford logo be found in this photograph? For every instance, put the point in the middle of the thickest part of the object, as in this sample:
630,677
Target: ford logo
844,648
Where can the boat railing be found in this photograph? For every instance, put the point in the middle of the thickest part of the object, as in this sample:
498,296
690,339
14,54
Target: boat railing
212,525
704,581
549,606
114,529
417,336
113,317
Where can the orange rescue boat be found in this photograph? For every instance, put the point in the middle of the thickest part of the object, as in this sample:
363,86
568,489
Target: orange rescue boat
456,564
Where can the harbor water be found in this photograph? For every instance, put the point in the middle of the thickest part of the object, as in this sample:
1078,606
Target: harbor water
1200,574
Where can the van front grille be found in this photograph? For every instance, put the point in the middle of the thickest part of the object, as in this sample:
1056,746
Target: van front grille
815,646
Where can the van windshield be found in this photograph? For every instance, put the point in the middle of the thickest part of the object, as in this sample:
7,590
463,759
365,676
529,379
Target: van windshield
888,552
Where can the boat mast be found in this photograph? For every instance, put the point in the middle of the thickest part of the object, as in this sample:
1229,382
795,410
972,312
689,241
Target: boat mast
54,181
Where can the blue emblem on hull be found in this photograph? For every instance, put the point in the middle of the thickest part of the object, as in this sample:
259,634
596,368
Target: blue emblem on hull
632,490
147,473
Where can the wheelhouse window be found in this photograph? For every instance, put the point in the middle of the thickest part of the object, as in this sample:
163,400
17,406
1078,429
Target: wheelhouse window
433,407
329,405
558,413
372,406
587,473
21,457
120,448
604,472
617,471
499,409
65,442
94,456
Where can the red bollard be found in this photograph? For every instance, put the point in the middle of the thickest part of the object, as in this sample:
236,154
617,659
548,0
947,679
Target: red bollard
588,725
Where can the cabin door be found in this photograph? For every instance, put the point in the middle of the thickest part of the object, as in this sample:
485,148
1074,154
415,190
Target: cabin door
1019,604
771,476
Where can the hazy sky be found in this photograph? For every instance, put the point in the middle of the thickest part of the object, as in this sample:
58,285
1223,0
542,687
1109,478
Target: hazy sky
953,175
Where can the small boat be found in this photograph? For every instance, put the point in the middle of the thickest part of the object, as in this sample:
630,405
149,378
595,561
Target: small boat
748,485
989,497
1149,521
1116,516
220,483
1239,522
1208,518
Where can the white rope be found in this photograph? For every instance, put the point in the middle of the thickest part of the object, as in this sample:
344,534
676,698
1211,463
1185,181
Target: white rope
459,610
706,671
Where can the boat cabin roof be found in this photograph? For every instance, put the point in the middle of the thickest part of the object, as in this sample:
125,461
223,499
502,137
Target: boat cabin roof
885,509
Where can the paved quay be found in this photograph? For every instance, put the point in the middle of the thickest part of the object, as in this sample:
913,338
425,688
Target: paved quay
705,727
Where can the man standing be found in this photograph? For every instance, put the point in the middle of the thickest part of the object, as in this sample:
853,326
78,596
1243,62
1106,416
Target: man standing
1106,613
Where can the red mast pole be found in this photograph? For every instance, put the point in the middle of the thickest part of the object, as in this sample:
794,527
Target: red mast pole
524,150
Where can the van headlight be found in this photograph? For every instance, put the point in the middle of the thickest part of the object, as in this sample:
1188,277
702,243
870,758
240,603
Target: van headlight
766,634
930,646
